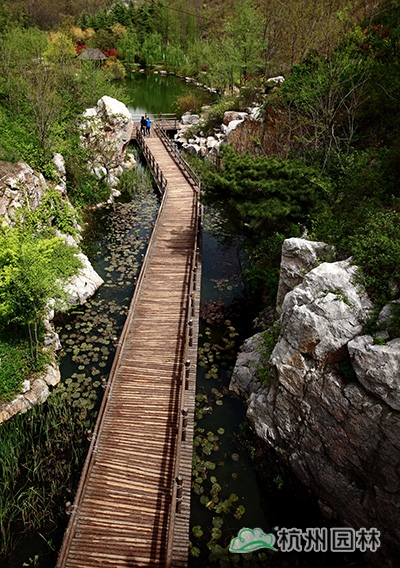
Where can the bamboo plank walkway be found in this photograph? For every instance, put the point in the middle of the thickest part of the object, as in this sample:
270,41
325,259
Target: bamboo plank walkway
132,507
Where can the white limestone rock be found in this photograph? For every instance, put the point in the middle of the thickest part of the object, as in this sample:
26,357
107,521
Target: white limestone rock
84,285
326,311
377,368
340,435
188,119
19,185
107,130
298,257
249,359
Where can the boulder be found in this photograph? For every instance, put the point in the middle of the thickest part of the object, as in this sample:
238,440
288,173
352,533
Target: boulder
33,392
377,368
233,115
84,285
323,313
332,412
386,318
249,359
276,80
231,124
189,118
298,257
19,185
106,130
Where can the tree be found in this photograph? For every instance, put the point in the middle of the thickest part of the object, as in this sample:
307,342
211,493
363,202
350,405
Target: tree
323,97
258,196
239,50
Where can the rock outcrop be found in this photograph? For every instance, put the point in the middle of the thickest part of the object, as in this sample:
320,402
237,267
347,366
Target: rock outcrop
106,130
21,186
299,256
84,284
332,410
209,146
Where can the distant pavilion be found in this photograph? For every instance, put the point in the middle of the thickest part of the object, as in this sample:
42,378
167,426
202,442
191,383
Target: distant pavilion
92,54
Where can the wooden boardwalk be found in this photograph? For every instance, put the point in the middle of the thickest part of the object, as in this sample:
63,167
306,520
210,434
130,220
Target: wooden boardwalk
132,507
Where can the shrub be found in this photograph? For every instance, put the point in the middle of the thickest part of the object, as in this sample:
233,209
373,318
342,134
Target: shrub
270,339
376,249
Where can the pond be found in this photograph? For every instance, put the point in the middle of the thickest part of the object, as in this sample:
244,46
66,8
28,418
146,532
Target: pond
153,93
226,491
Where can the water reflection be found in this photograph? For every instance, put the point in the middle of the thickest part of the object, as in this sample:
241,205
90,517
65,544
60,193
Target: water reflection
154,94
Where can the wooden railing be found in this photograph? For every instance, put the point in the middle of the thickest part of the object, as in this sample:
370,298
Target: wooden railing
162,117
190,312
159,177
188,369
183,165
107,397
194,292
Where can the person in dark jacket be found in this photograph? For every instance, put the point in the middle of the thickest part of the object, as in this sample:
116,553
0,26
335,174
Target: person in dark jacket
143,123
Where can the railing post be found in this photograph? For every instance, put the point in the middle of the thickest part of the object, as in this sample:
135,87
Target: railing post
190,324
192,297
187,371
194,276
185,414
179,493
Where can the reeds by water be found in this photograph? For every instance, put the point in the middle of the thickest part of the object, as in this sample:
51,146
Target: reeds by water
39,455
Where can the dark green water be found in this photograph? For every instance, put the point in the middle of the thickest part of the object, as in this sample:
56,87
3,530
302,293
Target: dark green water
152,93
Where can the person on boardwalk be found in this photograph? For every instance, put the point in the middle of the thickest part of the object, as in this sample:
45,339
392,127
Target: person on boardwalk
143,123
148,124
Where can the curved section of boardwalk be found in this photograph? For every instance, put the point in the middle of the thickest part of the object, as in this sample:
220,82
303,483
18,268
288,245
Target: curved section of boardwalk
137,474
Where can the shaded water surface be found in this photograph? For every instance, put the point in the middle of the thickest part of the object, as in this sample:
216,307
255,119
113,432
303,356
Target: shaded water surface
154,94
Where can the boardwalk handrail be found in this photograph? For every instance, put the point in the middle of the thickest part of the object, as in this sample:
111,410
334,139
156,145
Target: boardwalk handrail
163,117
192,290
184,166
184,385
195,183
159,176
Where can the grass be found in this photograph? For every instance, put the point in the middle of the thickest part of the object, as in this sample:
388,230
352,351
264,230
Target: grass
15,365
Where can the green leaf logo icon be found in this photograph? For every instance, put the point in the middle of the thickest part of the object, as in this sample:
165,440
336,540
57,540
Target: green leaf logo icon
249,540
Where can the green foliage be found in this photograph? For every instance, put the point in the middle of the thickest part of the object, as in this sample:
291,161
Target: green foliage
54,212
270,339
192,102
215,115
324,96
115,69
83,187
151,49
261,266
15,365
259,196
376,248
41,451
33,270
174,59
135,181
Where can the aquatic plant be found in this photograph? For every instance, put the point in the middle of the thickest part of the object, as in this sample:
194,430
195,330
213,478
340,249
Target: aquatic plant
42,452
